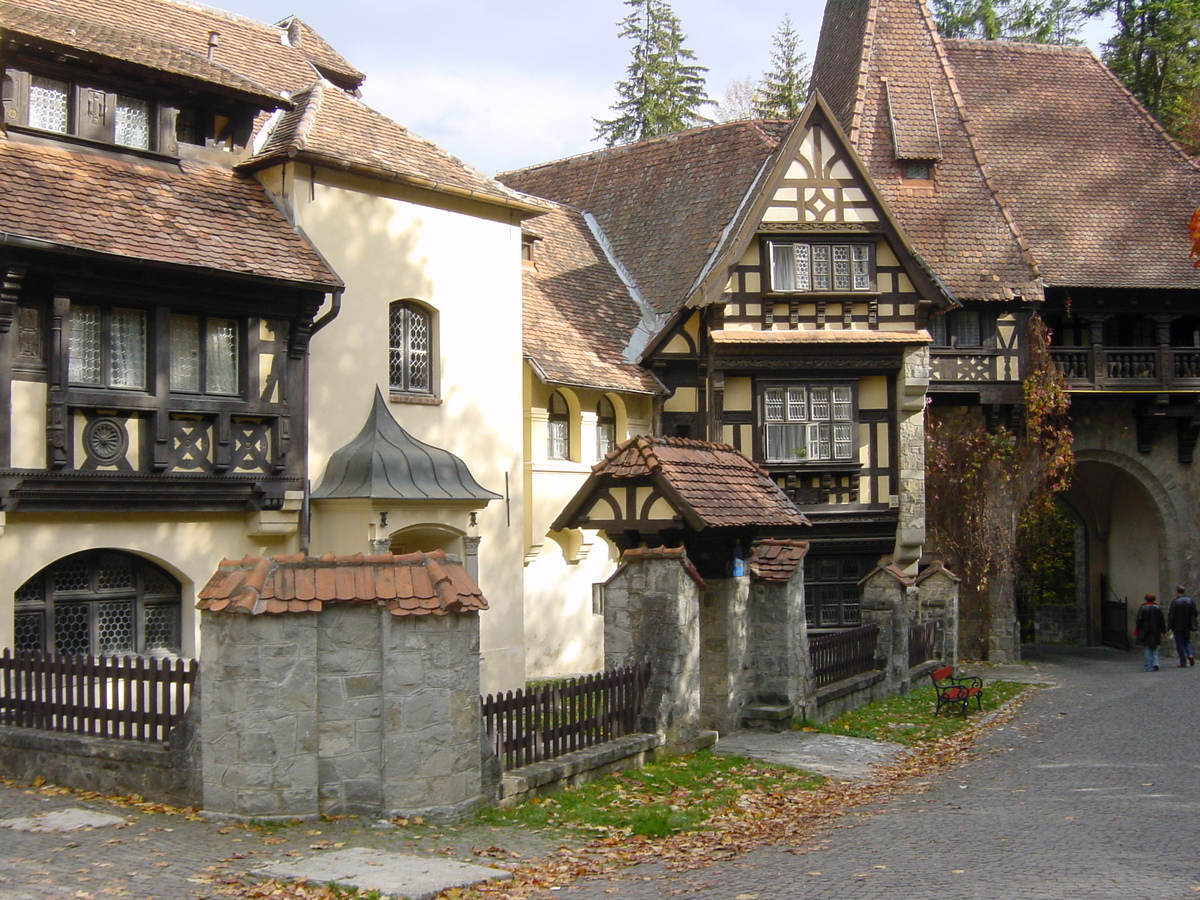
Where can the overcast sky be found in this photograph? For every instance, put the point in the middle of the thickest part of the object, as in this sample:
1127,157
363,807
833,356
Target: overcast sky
509,83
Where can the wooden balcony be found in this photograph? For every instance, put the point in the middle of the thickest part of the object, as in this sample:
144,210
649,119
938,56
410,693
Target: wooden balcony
1129,368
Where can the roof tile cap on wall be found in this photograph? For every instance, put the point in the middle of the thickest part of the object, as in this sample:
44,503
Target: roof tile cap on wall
410,584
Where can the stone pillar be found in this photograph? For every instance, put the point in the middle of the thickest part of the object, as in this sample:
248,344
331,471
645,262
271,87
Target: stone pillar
725,682
885,602
938,598
652,612
911,388
779,638
258,724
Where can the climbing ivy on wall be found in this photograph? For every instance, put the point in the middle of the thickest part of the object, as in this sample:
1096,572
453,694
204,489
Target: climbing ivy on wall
979,480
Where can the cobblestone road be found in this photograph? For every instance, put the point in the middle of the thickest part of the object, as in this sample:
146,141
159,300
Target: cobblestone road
1090,792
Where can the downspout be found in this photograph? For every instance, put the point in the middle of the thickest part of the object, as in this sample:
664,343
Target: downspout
335,307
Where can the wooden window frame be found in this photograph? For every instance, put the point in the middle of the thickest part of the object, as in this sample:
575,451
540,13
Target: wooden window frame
812,249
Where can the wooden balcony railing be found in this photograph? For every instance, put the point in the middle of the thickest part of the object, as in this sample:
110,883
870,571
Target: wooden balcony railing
1129,367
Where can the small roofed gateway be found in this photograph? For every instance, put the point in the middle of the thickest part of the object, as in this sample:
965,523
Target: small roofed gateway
325,679
670,492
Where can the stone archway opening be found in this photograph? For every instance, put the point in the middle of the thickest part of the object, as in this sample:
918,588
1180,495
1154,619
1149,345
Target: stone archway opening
1122,536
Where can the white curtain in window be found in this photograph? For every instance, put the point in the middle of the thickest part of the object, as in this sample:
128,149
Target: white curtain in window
127,351
185,353
221,357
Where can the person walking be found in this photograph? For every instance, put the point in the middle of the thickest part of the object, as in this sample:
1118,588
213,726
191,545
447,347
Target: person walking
1181,619
1148,629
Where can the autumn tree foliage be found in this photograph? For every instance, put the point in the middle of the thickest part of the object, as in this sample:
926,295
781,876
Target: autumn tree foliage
664,87
979,480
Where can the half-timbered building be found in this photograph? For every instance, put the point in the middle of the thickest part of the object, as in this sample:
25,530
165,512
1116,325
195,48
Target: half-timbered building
1030,181
784,311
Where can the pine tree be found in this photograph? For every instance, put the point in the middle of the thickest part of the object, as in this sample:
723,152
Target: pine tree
664,90
1156,54
784,90
1032,21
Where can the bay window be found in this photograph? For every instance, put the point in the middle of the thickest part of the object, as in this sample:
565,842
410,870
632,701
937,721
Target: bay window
204,355
808,422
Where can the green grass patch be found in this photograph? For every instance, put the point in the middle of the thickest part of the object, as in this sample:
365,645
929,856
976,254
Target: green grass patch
909,718
676,795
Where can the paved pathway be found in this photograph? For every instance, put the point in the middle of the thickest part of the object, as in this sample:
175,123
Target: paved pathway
1090,792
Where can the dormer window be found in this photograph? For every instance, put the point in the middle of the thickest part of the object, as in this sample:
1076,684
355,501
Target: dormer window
918,170
811,267
86,110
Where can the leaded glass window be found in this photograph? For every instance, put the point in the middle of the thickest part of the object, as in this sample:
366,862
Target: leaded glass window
410,367
833,597
99,602
808,422
107,347
798,267
132,123
204,355
49,104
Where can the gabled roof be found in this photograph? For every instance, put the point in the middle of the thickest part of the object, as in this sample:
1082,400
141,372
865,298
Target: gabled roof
331,128
285,59
411,584
1099,190
664,203
707,485
181,214
577,312
118,41
870,49
385,462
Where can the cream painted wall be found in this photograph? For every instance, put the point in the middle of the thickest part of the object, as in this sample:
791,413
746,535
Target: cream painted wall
1133,546
563,636
463,260
189,547
28,425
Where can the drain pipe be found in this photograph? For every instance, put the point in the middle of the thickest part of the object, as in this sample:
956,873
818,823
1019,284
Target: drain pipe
335,307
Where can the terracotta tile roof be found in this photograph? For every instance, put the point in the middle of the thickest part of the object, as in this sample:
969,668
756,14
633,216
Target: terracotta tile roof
411,584
777,559
715,485
664,203
869,48
1098,189
266,54
186,214
329,126
933,568
889,567
118,41
578,314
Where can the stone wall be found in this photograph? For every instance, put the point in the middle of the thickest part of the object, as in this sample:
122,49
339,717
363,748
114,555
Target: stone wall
725,677
652,612
349,711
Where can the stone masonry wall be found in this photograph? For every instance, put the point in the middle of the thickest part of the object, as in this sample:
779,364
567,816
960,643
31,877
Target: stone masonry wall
350,711
725,676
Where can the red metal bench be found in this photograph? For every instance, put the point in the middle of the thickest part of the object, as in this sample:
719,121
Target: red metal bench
952,691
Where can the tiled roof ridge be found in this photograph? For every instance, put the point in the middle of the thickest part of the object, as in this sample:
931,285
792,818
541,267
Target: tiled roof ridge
860,91
1015,46
139,38
309,102
989,180
250,585
606,153
932,569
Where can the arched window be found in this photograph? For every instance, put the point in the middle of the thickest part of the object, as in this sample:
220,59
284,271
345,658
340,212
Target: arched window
558,427
606,427
410,359
99,603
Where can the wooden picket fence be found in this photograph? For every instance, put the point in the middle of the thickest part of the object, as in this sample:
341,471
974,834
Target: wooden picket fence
924,642
844,654
554,719
133,698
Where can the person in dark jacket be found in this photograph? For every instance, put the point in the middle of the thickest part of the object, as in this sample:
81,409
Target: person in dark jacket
1181,619
1148,628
